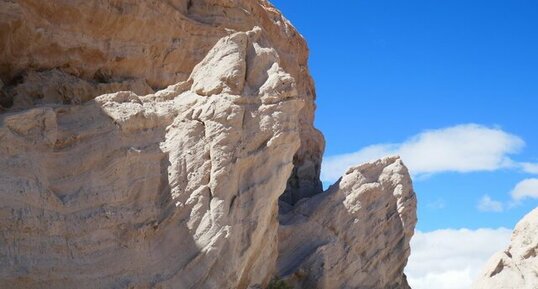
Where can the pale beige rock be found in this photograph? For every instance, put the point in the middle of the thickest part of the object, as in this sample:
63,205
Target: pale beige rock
517,266
168,190
145,144
153,42
355,235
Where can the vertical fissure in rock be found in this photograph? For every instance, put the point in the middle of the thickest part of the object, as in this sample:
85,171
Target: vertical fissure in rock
304,181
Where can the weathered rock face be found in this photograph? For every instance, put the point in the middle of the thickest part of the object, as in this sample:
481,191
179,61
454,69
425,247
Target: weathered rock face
129,190
355,235
517,266
107,46
146,145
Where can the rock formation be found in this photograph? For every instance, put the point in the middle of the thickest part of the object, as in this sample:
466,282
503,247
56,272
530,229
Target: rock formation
517,266
108,46
354,235
146,144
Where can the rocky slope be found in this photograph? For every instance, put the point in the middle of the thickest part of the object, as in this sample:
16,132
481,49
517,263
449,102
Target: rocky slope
147,145
517,266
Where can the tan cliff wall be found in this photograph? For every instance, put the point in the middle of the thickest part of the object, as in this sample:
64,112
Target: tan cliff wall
146,144
138,45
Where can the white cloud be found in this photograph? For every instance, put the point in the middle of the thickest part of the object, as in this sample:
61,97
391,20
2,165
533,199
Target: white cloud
452,259
462,148
527,188
487,204
451,279
531,168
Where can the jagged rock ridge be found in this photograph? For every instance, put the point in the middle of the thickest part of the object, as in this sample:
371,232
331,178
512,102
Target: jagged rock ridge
146,145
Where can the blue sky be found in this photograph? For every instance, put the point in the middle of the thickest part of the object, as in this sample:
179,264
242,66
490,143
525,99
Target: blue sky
388,70
387,73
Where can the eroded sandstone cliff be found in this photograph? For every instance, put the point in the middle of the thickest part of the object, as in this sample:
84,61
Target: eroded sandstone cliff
146,144
103,46
517,266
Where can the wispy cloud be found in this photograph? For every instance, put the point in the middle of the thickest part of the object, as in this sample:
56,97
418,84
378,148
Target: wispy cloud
527,188
531,168
452,259
487,204
461,148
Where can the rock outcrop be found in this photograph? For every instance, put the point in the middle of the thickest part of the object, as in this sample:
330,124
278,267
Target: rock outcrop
149,144
108,46
354,235
176,189
517,266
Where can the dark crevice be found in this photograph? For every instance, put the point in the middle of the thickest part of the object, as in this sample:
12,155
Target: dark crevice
6,101
189,5
231,204
102,77
6,98
16,80
302,184
498,269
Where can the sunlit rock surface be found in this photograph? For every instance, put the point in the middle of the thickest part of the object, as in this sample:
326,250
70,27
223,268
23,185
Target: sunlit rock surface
517,266
148,144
